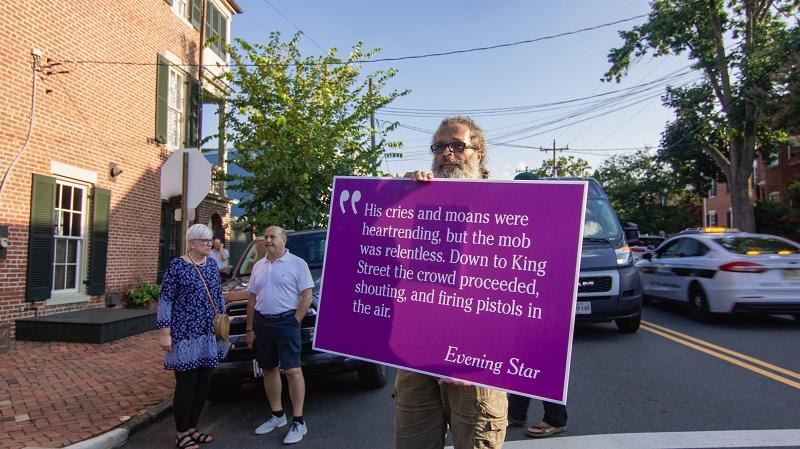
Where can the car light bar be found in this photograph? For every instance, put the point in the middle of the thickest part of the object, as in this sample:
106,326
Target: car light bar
743,267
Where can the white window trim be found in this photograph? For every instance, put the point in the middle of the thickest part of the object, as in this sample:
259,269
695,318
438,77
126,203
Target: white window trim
185,20
182,88
775,194
72,172
78,294
709,215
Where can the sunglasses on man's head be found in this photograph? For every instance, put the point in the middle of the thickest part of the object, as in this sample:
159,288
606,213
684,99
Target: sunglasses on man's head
456,147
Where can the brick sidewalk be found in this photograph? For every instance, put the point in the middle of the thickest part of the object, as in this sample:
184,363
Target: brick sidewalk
56,394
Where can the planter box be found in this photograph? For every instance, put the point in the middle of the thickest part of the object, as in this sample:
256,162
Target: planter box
86,326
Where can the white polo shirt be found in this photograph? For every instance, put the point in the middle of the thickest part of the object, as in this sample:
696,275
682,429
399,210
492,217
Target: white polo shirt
277,285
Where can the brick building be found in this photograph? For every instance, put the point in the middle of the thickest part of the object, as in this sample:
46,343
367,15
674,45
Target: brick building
108,91
769,183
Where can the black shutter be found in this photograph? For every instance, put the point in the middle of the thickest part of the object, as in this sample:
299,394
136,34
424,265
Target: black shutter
195,14
192,99
98,247
41,242
162,98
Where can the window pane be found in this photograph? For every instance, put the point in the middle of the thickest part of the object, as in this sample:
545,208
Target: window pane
77,199
58,278
61,251
76,225
72,251
71,270
66,223
66,197
58,195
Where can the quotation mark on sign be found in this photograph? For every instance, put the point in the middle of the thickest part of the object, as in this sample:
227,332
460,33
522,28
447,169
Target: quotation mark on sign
345,195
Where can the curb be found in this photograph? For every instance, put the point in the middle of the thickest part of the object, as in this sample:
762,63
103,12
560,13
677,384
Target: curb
119,436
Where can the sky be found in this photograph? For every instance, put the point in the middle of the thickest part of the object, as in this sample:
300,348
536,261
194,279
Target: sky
519,83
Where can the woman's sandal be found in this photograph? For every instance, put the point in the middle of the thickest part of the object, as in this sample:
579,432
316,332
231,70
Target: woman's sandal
542,430
186,442
202,438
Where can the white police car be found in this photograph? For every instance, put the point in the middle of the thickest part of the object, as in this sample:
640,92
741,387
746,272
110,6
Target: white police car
719,270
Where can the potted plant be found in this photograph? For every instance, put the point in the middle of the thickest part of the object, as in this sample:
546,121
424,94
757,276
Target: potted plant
145,295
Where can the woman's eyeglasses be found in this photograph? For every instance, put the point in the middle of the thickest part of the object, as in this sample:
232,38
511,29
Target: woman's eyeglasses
204,241
455,147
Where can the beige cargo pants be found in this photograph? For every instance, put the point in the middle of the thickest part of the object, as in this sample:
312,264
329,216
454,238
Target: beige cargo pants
477,416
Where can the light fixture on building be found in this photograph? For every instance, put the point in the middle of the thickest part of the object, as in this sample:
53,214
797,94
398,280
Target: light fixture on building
115,170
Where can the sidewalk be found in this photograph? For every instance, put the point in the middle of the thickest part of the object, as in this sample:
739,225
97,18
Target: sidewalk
56,394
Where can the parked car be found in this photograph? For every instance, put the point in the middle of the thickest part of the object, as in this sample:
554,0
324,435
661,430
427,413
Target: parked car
646,244
609,287
717,270
239,366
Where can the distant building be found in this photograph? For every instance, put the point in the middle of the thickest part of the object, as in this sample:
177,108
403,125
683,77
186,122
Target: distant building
769,184
114,87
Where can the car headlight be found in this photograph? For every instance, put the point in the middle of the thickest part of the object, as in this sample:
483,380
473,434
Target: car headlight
623,255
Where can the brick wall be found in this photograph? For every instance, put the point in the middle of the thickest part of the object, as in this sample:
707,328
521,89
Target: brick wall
90,117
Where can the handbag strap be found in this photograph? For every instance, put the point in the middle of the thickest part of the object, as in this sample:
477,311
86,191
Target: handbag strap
202,279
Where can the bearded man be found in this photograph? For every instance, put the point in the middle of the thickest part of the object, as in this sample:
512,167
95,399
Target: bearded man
426,406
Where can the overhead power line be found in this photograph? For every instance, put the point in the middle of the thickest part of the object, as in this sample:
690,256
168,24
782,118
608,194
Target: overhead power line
398,58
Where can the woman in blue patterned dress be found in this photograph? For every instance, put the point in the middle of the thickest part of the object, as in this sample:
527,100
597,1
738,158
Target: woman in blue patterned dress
186,320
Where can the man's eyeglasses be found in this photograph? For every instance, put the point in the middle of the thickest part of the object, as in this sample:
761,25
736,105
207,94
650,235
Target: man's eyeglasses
204,241
456,147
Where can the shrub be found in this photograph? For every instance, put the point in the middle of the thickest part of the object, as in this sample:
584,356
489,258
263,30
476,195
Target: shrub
143,294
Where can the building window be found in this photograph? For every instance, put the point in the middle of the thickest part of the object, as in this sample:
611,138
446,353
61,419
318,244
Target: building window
216,28
176,104
794,151
711,218
181,8
729,218
70,225
774,196
713,191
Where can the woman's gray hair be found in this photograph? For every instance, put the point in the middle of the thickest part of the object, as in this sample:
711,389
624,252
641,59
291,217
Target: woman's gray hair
199,232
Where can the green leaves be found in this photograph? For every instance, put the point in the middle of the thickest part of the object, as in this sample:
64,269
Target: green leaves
644,190
295,123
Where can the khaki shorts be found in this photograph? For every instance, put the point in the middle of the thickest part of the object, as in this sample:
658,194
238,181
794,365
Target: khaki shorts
477,416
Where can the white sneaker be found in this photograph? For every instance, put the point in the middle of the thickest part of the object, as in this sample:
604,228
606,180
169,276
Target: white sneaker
296,433
271,424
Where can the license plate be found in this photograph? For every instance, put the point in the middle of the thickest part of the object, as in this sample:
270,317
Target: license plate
583,308
791,274
257,370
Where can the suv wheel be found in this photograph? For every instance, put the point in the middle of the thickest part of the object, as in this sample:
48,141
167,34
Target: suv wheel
372,375
698,305
629,325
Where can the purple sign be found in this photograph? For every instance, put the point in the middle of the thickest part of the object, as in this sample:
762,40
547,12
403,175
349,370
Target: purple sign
472,280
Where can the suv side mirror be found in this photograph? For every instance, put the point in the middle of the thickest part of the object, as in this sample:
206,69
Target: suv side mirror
631,233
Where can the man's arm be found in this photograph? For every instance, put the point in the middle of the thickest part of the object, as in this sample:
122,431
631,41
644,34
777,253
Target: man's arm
251,308
305,303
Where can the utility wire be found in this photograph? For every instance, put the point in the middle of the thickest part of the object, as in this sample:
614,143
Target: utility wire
399,58
295,26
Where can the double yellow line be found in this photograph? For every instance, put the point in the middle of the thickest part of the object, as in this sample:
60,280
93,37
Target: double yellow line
738,359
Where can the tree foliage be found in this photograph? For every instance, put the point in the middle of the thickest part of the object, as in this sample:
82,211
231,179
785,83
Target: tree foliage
565,166
737,45
295,122
643,190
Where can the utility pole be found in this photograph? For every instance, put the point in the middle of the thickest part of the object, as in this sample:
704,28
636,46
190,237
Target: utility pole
372,119
555,169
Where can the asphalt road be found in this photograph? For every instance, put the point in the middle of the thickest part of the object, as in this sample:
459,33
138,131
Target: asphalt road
664,378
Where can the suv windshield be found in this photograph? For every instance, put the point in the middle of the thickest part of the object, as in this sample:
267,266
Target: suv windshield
757,245
600,221
309,246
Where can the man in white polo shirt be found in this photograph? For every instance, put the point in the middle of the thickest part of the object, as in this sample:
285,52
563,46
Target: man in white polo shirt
280,295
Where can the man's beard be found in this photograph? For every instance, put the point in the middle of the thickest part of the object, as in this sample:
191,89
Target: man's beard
468,169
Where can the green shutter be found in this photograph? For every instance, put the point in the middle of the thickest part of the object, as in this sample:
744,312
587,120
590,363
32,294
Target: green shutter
162,98
192,99
196,11
40,239
98,247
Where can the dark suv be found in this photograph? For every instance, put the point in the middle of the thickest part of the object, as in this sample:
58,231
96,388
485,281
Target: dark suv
238,366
